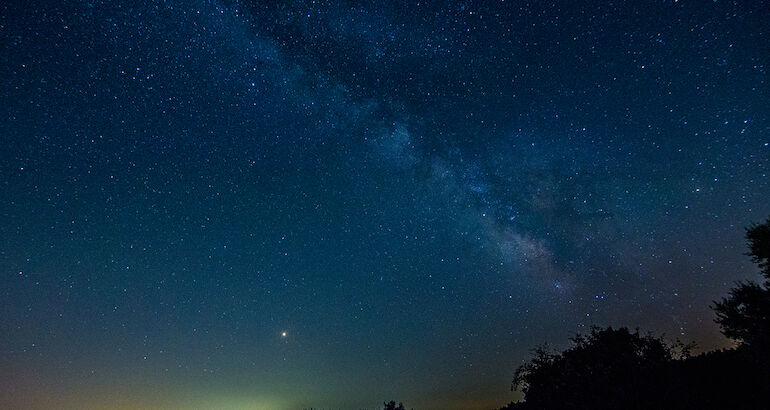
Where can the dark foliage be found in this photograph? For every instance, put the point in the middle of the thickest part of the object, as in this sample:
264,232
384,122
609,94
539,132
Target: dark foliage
758,238
611,369
602,364
744,315
622,369
391,405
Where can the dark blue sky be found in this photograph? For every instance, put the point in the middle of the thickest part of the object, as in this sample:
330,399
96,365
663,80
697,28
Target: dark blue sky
416,194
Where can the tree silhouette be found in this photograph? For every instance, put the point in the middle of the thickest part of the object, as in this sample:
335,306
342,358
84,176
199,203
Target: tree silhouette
744,315
606,369
391,405
610,369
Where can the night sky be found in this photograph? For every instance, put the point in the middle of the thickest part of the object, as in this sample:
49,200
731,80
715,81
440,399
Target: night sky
221,204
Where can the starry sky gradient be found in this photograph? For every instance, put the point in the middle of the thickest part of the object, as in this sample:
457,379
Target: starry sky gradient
415,193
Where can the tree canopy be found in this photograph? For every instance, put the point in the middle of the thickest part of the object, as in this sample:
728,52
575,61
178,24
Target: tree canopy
603,364
618,368
391,405
744,315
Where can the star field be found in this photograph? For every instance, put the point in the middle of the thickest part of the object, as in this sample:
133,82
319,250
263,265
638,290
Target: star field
281,205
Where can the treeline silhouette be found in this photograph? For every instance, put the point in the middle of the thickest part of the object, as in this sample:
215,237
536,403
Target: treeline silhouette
390,405
620,369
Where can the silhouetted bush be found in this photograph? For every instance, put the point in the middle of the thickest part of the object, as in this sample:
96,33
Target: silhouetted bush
603,364
744,315
612,369
391,405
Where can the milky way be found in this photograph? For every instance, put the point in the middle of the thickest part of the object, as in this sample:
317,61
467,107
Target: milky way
224,204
